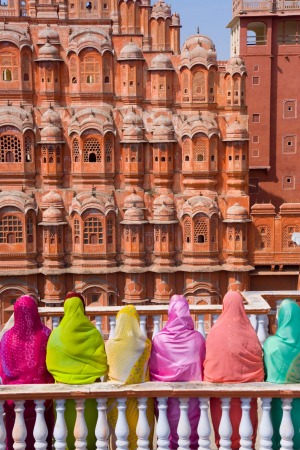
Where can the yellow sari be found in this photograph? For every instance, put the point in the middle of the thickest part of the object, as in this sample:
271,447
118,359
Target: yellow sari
128,355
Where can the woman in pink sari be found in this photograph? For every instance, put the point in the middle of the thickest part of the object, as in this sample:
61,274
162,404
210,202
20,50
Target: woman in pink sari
23,361
233,355
178,352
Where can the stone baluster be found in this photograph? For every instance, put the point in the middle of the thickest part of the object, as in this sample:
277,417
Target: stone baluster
2,428
156,325
204,428
102,430
253,321
112,326
225,428
122,429
261,328
266,428
40,431
19,432
162,427
143,325
200,320
60,429
286,429
184,427
80,429
142,428
214,318
55,322
246,429
98,324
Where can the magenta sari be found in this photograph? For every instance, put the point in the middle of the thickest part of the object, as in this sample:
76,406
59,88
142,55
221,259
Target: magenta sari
23,361
178,352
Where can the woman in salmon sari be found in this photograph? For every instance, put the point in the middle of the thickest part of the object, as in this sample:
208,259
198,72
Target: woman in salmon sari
128,355
282,365
233,355
178,353
23,361
76,355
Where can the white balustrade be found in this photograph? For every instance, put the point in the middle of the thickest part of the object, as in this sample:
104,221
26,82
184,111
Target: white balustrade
55,322
214,318
246,429
122,428
19,432
40,431
143,324
98,324
253,321
286,429
201,329
266,428
184,427
60,428
162,427
225,428
80,429
156,325
2,428
142,428
204,428
261,328
112,325
102,429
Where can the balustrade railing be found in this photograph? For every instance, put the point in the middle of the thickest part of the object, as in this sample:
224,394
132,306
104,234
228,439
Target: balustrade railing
162,391
244,6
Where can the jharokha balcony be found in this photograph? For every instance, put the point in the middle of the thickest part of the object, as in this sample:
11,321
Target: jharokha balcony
261,310
273,6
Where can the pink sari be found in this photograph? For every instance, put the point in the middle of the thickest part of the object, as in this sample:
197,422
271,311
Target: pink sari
233,355
23,361
178,352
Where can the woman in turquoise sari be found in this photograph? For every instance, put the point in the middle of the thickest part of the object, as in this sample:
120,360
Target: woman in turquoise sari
282,365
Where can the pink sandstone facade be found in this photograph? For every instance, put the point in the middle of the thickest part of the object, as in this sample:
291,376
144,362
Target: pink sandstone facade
124,160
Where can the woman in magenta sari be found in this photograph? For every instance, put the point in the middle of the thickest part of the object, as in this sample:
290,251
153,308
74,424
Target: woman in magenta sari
23,361
178,352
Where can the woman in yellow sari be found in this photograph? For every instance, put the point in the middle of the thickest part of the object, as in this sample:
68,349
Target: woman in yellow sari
76,355
128,355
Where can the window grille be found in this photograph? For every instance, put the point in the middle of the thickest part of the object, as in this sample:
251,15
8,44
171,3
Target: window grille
10,147
11,230
93,231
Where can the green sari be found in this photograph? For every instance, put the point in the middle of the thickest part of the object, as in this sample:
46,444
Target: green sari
76,355
282,365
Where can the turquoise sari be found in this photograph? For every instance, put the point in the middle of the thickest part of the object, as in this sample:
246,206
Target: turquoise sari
282,365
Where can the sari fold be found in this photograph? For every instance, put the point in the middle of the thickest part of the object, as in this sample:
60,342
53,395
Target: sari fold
233,355
128,355
282,365
23,361
178,352
76,355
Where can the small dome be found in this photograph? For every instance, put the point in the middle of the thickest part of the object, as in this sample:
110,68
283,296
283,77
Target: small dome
132,119
52,215
199,204
198,49
236,65
236,132
131,51
51,133
161,62
176,20
134,214
133,133
163,128
133,200
237,212
161,8
48,34
48,52
51,116
163,200
163,213
52,198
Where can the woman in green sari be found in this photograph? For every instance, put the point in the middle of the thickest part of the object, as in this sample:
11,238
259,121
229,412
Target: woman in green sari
282,365
76,355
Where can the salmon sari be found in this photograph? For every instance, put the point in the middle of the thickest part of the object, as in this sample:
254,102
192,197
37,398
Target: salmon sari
233,355
128,355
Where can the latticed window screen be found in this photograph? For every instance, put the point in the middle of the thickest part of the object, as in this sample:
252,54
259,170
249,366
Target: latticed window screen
213,230
200,230
28,149
211,86
92,150
230,233
76,153
199,86
185,83
76,227
11,230
161,34
187,229
110,230
51,155
9,67
287,236
10,147
235,91
108,150
186,150
262,237
90,70
156,233
200,150
93,231
29,230
164,233
127,233
73,69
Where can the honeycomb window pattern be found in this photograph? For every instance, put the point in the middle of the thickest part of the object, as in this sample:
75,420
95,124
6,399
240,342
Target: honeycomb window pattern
10,147
93,231
108,150
187,230
92,150
200,231
11,230
76,153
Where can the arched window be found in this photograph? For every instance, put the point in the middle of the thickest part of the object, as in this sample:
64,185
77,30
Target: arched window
29,230
6,75
110,231
10,148
76,231
92,150
93,231
9,66
73,69
200,149
28,149
199,91
11,230
90,69
108,150
200,230
75,150
187,230
256,33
